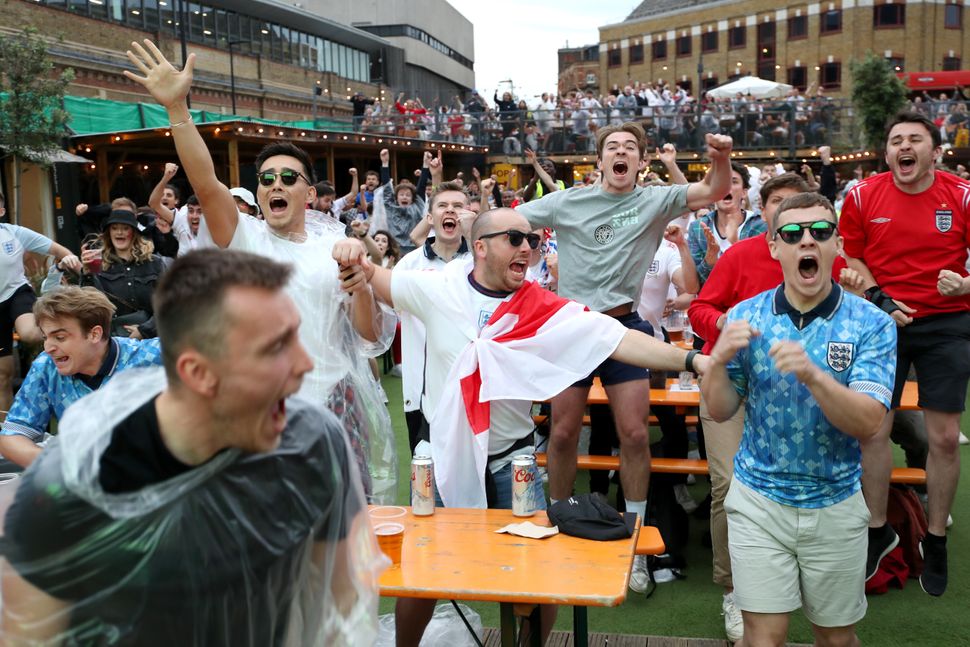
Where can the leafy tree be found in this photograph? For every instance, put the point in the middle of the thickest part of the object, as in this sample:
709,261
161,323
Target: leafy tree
32,121
877,95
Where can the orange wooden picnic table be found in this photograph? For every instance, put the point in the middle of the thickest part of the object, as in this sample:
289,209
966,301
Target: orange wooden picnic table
455,554
684,399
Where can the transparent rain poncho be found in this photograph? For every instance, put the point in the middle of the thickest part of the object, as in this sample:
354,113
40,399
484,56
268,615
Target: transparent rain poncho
246,550
341,378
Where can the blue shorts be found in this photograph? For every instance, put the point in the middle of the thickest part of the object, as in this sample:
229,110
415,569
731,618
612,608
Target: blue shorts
612,371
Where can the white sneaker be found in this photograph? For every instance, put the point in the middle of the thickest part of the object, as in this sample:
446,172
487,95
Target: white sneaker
963,439
733,622
684,499
640,577
949,520
395,371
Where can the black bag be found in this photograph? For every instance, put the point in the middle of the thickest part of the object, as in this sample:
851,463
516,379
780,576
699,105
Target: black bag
119,322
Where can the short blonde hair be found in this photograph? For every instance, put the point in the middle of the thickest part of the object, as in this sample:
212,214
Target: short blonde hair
88,305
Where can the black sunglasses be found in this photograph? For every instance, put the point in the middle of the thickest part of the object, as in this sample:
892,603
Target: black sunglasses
821,230
289,177
516,237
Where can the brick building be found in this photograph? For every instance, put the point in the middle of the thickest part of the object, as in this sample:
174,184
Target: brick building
705,43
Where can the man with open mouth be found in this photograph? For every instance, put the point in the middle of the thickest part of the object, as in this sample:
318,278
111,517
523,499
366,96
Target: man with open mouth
522,343
907,232
808,362
607,235
80,356
339,332
724,226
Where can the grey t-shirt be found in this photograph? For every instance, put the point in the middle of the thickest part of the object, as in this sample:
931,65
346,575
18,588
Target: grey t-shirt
606,241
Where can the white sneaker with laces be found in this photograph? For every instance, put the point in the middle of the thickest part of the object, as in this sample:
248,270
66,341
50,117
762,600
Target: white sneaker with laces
640,577
733,622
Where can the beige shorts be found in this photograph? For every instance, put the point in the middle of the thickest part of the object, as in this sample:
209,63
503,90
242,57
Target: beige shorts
784,558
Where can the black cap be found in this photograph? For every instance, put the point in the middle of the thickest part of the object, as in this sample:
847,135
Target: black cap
121,217
587,516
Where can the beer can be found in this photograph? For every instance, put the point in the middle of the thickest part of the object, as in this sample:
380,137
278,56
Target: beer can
526,492
422,486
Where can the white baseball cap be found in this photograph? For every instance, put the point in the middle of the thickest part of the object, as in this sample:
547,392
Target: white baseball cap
243,194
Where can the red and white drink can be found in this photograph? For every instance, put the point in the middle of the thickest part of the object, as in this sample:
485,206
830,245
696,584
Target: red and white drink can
525,490
422,486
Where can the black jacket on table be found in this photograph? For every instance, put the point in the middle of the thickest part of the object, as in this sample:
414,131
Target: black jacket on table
129,286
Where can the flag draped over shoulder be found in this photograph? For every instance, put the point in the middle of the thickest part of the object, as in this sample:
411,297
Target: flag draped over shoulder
533,347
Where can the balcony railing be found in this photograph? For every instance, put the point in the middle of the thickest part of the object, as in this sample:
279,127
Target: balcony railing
764,125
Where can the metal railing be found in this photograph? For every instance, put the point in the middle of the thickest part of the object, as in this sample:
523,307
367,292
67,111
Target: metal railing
755,125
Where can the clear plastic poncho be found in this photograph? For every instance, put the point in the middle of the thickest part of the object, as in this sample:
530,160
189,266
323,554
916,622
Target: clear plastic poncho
246,550
341,378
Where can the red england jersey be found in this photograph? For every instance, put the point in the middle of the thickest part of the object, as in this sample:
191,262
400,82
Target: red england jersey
905,240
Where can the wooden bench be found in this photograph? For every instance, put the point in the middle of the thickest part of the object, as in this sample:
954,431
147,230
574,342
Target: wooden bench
650,542
690,421
902,475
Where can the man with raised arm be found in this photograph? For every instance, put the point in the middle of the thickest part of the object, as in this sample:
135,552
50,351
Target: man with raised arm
608,234
337,331
515,342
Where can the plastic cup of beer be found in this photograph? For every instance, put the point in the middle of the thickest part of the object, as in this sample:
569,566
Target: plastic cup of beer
385,512
390,538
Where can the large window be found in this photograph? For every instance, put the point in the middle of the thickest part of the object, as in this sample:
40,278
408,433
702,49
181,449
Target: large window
708,83
737,37
614,58
216,27
797,27
683,46
897,63
798,77
830,76
953,16
889,15
636,54
709,41
951,63
831,21
659,50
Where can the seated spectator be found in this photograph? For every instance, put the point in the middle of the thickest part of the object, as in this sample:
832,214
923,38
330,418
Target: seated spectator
79,357
126,269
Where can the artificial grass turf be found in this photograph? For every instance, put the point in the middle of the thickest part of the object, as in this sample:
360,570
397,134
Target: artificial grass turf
691,607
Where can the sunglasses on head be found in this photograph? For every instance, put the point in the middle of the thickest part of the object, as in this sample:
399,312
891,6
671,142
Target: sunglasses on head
516,237
821,230
288,177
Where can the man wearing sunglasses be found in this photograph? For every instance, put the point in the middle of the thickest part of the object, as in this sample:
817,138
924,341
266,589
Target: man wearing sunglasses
746,269
529,344
809,361
337,332
907,232
607,235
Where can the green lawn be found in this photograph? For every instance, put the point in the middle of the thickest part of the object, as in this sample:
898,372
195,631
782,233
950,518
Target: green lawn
691,607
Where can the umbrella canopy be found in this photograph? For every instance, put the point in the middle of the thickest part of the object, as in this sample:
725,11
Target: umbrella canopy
756,87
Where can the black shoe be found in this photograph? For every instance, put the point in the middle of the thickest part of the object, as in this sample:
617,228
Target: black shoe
933,578
881,542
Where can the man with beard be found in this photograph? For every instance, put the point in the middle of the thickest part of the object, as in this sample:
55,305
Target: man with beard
907,232
607,235
463,307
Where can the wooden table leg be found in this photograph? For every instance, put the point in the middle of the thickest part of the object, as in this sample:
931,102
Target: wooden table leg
507,616
580,627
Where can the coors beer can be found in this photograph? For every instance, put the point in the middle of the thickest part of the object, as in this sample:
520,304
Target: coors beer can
524,487
422,486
